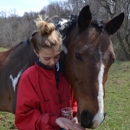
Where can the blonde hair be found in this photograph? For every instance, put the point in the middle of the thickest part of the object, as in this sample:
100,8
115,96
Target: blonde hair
46,36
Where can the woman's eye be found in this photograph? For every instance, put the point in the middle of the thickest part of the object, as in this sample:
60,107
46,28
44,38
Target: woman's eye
57,57
46,58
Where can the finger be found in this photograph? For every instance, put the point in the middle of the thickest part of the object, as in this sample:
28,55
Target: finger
75,120
66,128
78,127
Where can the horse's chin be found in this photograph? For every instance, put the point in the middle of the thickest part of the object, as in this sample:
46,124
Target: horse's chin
95,125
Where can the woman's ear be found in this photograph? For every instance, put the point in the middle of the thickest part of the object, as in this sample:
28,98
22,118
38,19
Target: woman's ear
36,53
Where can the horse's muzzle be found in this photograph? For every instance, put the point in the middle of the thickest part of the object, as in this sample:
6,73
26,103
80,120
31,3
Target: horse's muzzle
86,119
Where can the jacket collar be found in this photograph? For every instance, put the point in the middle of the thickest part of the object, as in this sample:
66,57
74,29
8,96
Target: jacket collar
46,67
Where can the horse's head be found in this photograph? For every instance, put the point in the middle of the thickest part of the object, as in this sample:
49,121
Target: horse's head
90,55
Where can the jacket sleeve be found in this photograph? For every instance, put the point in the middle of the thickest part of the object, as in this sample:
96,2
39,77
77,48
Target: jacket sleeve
74,103
28,116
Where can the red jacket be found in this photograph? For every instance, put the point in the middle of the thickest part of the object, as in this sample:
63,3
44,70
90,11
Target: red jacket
39,102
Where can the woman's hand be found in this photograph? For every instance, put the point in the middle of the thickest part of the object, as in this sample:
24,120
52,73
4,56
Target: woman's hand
75,120
68,124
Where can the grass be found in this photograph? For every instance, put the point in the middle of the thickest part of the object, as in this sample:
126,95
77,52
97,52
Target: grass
7,121
3,49
117,98
116,101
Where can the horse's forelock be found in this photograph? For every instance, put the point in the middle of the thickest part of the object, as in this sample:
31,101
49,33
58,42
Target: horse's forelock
99,25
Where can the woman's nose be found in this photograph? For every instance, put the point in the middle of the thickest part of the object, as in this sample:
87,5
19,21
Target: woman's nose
52,61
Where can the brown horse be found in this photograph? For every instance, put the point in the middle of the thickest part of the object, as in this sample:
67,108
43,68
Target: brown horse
90,55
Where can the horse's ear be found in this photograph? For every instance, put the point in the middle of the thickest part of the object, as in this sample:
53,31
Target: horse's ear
114,24
85,17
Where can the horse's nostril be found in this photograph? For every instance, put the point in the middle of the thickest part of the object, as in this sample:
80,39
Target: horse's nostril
86,119
104,115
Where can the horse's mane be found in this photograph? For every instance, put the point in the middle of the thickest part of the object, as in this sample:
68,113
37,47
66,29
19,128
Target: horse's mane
65,25
22,43
5,54
99,25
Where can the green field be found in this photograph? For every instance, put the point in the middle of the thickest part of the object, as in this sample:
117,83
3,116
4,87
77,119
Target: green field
3,49
117,101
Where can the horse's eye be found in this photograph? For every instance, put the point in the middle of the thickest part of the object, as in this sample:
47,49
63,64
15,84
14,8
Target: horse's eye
78,56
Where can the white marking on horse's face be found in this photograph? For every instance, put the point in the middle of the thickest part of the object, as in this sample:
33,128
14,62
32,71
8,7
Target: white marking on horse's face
15,80
99,117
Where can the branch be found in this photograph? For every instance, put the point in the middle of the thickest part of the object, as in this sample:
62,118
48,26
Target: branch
106,5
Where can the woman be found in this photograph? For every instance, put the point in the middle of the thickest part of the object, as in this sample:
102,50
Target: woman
41,95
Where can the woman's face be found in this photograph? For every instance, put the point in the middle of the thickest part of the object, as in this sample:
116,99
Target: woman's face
48,56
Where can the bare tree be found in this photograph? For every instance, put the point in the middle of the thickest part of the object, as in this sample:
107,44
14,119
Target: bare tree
3,14
14,28
12,13
112,8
